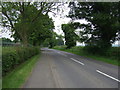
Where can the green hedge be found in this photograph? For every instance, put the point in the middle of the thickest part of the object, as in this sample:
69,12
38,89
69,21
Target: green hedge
13,56
114,52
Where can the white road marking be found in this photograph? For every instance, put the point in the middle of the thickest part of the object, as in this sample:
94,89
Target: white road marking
77,61
62,54
108,76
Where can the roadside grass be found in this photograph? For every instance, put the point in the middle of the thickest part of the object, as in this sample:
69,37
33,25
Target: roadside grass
78,50
17,77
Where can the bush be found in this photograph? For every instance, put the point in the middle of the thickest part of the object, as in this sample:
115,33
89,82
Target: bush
13,56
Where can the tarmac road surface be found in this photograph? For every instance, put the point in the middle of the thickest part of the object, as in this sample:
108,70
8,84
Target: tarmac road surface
59,69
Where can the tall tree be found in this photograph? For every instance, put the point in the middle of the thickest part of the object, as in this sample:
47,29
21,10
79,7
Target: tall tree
70,36
104,26
20,17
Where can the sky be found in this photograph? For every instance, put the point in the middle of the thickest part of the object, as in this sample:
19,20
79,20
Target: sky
60,18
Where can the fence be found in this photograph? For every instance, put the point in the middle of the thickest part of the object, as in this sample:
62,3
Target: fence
9,44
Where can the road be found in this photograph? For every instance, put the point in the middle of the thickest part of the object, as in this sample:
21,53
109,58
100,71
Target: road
59,69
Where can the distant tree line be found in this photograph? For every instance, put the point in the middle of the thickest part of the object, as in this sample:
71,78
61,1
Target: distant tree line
56,40
8,42
5,39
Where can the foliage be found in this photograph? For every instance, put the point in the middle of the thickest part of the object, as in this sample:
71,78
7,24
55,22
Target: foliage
59,40
17,77
114,52
54,40
103,28
70,36
13,56
41,30
27,20
45,43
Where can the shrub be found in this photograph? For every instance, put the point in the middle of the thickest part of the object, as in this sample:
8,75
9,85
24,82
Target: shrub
13,56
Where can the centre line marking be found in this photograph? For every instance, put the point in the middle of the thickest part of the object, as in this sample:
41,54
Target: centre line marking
77,61
108,76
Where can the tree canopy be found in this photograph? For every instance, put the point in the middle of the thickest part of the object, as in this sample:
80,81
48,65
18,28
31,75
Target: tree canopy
29,22
70,35
103,17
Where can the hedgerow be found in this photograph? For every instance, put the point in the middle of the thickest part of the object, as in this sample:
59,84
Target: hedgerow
114,52
13,56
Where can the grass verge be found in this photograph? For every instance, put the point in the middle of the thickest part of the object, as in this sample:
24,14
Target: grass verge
78,50
17,77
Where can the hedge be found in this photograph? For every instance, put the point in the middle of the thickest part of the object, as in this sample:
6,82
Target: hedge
13,56
114,52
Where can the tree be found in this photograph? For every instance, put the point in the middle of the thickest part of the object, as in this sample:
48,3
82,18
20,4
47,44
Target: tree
22,17
70,36
60,40
41,30
104,26
55,40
